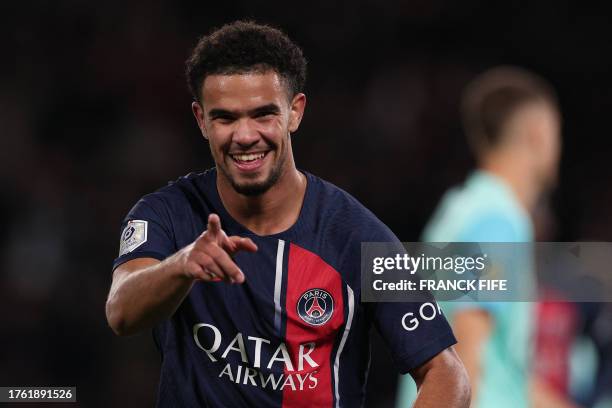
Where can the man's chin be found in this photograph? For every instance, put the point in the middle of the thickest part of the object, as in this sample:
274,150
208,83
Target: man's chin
253,184
251,189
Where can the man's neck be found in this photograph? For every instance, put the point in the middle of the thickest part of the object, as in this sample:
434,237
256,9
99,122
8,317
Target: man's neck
269,213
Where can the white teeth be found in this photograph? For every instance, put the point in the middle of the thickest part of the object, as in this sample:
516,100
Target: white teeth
248,157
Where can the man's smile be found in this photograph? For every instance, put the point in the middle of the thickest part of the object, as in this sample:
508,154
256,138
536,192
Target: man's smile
249,161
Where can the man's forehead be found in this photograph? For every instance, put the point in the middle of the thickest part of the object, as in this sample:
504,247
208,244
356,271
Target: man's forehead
242,91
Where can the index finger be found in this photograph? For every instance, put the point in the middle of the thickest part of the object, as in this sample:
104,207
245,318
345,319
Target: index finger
214,225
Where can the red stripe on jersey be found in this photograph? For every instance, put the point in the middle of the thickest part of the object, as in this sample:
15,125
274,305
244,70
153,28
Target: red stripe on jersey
310,284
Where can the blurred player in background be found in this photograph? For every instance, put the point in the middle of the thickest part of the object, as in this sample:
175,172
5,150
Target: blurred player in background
512,121
598,329
265,312
558,320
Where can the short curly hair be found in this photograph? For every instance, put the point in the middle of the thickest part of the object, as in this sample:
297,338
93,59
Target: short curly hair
245,46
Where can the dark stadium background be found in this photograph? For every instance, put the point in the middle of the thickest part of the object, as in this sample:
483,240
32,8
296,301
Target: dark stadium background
94,113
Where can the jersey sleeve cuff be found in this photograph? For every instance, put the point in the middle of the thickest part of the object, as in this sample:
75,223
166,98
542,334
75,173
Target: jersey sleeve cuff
409,361
133,255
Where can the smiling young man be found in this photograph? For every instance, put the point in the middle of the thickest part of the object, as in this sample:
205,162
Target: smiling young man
266,311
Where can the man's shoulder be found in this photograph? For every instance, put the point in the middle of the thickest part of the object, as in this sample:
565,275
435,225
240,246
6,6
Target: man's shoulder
334,198
180,199
184,188
467,215
346,214
191,181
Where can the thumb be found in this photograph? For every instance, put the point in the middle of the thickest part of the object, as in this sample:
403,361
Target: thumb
242,244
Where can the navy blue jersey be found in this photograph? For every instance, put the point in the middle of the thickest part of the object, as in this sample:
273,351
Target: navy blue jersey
295,333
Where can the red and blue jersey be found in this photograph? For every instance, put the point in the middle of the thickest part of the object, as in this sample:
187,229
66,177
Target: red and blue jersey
295,334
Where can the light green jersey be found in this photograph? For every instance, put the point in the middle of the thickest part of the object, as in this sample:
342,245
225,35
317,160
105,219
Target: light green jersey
485,209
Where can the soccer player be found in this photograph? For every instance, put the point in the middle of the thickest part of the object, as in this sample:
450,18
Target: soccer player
249,273
512,121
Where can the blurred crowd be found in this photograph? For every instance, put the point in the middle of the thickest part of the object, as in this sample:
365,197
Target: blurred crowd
94,113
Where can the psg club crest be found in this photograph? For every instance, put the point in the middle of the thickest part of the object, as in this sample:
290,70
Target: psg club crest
315,307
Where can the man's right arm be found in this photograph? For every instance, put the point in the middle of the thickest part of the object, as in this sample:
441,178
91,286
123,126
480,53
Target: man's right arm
145,291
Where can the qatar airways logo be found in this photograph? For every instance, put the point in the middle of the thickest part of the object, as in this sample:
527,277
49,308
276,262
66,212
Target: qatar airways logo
250,372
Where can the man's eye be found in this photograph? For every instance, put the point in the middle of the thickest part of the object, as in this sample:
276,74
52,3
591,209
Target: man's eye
223,119
264,115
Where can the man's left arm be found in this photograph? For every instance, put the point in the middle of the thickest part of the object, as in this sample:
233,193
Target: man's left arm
442,382
419,338
421,344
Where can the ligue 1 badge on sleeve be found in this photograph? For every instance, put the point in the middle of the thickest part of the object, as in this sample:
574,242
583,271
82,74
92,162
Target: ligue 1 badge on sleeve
134,235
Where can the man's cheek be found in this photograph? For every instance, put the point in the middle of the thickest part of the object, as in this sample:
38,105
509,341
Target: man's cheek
273,130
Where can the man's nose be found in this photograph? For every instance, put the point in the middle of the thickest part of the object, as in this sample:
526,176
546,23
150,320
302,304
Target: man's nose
245,133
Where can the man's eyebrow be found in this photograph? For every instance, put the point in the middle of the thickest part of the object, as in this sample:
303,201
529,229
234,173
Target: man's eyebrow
213,113
269,108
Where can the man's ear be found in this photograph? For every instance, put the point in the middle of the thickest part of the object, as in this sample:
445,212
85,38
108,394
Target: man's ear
534,134
298,103
198,112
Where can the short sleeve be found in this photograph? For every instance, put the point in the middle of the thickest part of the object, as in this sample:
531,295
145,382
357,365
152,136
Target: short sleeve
146,232
489,228
415,332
